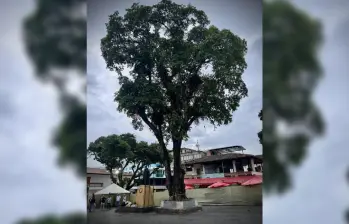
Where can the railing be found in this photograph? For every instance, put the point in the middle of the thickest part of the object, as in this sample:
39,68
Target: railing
219,175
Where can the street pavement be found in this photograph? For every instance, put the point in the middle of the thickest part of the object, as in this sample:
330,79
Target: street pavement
209,215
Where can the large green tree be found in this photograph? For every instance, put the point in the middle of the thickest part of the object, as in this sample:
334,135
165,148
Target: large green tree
182,71
291,71
117,152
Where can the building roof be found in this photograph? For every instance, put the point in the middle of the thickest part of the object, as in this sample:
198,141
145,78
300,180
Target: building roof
194,150
102,171
259,156
97,171
229,148
219,158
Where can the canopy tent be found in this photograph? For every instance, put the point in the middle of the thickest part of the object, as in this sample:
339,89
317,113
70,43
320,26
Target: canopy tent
112,189
253,181
218,185
189,187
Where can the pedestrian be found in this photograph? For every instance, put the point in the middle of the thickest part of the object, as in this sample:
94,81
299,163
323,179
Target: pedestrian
92,202
103,200
109,202
124,201
118,198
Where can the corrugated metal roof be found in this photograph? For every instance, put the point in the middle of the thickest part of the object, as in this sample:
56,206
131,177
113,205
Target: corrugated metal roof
97,171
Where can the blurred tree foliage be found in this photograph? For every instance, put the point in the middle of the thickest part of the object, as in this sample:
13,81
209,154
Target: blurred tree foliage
53,219
291,72
55,38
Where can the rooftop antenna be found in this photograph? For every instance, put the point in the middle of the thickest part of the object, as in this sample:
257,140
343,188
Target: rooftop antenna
197,145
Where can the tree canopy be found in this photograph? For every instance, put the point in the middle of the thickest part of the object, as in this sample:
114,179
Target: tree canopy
117,152
168,46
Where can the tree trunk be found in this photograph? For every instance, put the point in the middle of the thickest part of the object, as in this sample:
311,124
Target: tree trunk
169,179
113,179
178,174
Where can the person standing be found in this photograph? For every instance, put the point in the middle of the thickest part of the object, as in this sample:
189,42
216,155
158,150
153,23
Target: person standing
118,198
124,201
103,200
92,202
109,202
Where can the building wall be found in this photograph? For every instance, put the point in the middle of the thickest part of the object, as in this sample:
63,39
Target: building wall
233,195
189,154
98,178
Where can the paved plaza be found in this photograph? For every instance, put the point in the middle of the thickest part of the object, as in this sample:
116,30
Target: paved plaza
209,215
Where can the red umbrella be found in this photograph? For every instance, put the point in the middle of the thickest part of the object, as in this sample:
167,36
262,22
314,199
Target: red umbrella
218,185
253,181
189,187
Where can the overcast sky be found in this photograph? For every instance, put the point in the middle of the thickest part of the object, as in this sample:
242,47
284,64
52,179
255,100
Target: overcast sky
243,18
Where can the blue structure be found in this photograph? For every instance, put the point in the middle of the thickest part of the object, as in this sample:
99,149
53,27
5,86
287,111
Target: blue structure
160,173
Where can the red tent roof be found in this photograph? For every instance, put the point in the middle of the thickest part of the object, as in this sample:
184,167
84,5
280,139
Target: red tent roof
189,187
253,181
218,185
209,181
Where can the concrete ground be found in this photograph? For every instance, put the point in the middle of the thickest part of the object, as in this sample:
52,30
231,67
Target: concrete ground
209,215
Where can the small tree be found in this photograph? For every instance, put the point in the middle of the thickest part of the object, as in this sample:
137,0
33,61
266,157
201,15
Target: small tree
182,71
118,152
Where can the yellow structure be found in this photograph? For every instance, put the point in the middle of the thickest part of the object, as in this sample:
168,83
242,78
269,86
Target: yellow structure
145,196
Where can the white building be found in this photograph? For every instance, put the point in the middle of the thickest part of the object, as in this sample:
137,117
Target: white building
188,155
98,179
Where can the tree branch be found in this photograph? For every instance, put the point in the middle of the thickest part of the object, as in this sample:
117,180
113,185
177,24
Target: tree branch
134,175
144,117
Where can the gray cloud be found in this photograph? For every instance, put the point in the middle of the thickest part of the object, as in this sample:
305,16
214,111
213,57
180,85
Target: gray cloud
6,108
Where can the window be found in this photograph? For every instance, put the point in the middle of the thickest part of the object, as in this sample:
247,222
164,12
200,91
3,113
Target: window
96,184
159,173
188,168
